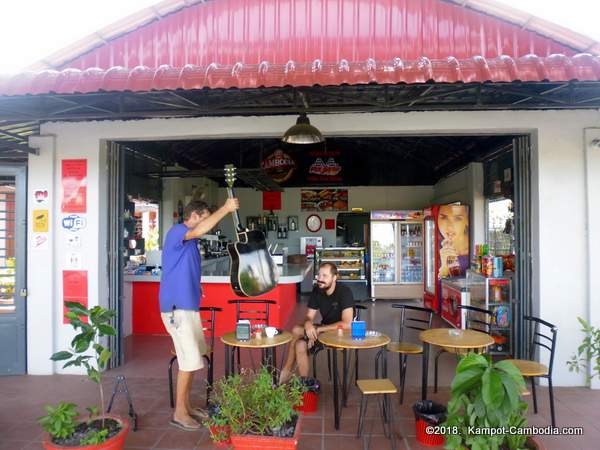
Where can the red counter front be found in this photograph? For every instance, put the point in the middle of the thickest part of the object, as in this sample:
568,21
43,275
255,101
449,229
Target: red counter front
146,312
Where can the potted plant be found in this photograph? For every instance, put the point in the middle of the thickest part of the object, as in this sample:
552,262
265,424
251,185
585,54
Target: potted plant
588,352
255,414
486,396
98,431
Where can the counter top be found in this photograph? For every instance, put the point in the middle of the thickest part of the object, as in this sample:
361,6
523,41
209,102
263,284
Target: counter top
217,271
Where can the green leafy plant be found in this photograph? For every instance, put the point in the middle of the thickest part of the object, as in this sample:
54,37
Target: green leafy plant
485,395
588,352
94,437
250,404
85,351
60,420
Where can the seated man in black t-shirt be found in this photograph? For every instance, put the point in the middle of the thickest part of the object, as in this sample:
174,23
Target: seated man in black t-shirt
334,301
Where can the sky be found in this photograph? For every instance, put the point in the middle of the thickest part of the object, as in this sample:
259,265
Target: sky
33,29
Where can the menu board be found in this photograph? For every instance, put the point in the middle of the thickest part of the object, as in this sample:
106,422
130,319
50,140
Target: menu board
324,199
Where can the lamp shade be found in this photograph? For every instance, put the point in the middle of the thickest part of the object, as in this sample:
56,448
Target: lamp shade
303,133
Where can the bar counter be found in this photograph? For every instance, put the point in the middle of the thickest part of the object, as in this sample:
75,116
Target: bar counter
141,307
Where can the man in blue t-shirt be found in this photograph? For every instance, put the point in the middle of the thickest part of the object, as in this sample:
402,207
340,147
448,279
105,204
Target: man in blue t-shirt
180,298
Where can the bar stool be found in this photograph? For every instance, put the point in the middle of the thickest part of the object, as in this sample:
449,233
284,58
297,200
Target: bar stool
477,319
533,369
419,321
382,388
208,325
256,311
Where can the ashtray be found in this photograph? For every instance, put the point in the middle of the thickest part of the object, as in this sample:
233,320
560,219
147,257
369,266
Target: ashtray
372,333
454,332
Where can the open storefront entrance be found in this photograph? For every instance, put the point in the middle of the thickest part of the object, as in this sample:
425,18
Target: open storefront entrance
377,173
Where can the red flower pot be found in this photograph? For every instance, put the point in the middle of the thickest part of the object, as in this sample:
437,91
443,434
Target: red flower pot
116,442
310,403
251,442
221,430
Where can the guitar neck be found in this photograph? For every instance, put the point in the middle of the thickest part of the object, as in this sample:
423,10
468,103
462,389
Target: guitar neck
236,214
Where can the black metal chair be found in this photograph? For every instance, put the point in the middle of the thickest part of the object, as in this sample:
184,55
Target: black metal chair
256,311
533,369
412,317
208,324
356,310
477,319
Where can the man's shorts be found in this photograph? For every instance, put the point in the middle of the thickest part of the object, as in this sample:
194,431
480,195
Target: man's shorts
317,347
188,338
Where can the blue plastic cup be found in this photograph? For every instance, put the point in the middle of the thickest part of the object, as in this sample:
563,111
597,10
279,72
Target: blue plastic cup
359,329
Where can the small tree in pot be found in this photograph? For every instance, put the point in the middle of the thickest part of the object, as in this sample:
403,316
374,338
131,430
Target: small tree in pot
486,395
61,421
254,413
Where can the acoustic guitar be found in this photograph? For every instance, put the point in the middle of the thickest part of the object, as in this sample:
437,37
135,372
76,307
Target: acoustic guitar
252,270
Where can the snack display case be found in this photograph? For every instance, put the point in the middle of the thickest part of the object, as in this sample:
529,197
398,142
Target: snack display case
351,264
494,294
497,297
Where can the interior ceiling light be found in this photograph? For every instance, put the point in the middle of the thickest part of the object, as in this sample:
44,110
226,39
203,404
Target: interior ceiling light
303,133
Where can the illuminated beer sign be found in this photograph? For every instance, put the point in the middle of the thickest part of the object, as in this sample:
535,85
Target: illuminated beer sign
279,165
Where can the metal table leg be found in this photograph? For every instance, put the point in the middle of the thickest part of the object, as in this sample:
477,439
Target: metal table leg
345,378
425,370
227,360
336,402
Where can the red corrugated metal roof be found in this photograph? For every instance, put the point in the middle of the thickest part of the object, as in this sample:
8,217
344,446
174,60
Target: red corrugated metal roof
583,67
251,31
227,43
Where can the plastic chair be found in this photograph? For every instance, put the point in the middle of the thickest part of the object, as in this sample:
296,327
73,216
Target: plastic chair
533,369
207,325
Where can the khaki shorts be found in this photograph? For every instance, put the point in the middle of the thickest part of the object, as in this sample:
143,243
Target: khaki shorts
188,338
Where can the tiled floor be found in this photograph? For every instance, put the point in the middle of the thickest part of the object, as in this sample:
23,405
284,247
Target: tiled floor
23,398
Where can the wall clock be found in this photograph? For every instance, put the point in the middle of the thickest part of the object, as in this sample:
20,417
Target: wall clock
313,223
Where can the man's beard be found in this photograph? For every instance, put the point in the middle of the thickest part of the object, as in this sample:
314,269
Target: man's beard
323,286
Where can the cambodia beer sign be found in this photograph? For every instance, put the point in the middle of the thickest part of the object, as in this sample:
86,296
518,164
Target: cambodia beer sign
279,165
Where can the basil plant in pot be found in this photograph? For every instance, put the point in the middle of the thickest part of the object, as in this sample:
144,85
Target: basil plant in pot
62,421
485,396
248,411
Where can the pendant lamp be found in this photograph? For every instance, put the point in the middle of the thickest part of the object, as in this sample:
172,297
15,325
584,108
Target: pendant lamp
303,133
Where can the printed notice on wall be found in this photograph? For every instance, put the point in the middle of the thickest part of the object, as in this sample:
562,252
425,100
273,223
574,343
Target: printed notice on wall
74,184
40,220
75,289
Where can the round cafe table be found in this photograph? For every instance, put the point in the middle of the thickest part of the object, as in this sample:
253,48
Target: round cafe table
453,338
334,342
266,344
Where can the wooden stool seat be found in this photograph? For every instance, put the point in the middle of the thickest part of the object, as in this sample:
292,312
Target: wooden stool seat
376,386
404,347
529,368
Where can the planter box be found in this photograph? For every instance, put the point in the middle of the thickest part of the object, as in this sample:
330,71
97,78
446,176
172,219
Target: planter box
116,442
251,442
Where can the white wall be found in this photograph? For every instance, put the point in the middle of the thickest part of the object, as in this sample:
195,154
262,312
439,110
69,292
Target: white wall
367,197
558,195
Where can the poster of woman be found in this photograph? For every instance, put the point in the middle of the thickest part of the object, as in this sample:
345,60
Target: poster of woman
453,226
